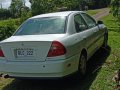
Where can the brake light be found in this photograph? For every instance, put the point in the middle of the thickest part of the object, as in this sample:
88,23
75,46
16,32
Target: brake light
1,53
57,49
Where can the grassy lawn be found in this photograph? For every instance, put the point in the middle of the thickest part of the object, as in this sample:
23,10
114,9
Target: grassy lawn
103,80
92,12
102,67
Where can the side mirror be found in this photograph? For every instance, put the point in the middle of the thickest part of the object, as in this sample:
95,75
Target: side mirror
99,22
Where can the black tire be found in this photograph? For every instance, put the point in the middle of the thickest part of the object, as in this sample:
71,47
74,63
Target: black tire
82,65
105,43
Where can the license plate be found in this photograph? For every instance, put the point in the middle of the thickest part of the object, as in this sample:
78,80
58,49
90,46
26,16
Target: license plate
25,52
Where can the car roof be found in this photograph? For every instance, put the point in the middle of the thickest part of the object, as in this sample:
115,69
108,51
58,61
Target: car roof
64,13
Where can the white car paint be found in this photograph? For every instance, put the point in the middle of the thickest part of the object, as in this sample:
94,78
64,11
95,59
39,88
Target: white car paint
42,66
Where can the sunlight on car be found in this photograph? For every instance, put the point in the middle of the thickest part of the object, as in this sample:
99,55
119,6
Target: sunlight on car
52,45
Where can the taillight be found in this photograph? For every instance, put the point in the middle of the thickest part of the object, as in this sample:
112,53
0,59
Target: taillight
1,53
57,49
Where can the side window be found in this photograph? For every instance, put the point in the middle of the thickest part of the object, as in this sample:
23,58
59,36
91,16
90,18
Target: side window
80,24
89,20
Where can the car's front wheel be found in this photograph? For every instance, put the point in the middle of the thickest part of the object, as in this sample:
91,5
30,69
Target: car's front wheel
82,65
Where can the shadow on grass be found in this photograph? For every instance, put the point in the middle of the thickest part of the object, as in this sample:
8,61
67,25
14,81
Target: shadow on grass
94,65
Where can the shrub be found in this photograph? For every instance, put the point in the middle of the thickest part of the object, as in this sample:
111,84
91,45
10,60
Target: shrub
115,10
7,27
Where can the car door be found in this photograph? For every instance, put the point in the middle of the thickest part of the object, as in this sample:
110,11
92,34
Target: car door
85,34
92,26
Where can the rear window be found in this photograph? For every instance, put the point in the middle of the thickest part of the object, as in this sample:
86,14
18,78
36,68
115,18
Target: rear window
46,25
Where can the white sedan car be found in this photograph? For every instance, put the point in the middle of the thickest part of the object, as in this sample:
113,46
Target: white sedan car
52,45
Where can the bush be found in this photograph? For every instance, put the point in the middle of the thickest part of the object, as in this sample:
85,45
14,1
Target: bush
7,27
115,10
4,14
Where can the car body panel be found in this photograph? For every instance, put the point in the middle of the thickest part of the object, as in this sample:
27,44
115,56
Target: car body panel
41,65
39,43
59,68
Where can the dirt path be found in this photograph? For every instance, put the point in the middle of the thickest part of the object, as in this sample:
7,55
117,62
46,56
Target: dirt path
103,12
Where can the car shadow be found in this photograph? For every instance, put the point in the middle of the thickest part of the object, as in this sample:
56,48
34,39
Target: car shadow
71,83
94,66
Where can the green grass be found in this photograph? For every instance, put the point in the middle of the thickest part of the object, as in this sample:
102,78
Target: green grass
93,12
102,67
103,80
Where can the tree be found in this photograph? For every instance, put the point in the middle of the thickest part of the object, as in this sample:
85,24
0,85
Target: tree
102,3
5,13
42,6
115,4
25,13
45,6
115,9
15,7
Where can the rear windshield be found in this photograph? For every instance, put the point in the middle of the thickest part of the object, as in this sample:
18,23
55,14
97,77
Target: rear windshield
47,25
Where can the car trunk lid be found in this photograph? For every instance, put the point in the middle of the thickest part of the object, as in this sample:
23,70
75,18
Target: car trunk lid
28,48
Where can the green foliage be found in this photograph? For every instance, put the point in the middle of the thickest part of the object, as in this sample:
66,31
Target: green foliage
42,6
92,12
15,7
7,27
102,3
4,14
25,14
45,6
104,79
18,10
115,9
100,75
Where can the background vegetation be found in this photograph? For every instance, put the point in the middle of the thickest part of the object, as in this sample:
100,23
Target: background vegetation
104,64
18,12
115,10
101,69
11,18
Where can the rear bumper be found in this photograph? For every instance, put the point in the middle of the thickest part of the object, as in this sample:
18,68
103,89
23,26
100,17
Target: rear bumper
47,69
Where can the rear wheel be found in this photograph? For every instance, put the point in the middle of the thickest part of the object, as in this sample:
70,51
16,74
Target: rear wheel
82,65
